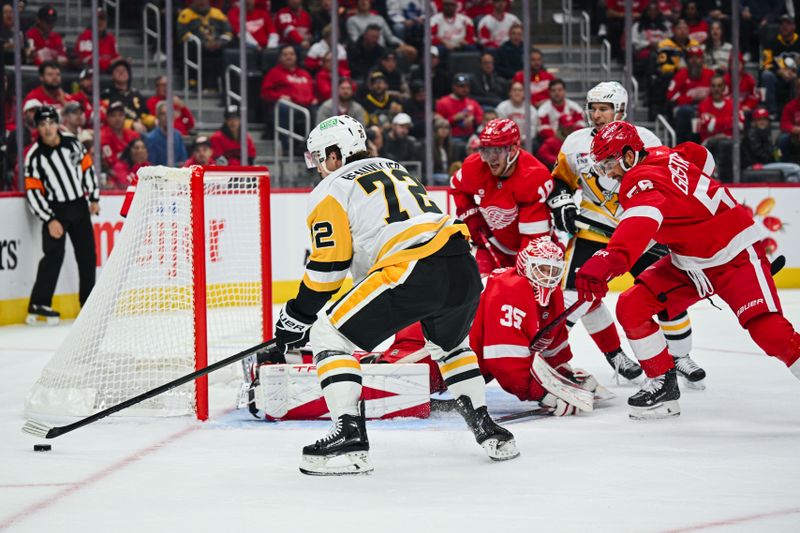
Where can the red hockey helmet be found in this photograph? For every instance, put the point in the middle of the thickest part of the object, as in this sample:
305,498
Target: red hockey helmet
500,132
611,142
500,145
542,263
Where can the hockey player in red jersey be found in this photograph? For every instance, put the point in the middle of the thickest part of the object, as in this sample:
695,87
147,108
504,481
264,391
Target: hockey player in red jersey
715,249
512,186
515,305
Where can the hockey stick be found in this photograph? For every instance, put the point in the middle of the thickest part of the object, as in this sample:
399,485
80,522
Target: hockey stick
539,412
555,322
40,429
658,250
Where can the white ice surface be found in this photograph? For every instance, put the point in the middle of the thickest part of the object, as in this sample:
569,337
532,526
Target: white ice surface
729,462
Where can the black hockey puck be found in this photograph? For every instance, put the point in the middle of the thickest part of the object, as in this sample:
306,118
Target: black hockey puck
42,447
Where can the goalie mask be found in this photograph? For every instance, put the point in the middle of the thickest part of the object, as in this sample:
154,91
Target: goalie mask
542,263
342,131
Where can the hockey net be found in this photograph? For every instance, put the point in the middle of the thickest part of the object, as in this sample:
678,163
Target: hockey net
188,283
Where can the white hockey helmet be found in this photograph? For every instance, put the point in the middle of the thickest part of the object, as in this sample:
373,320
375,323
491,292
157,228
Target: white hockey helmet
542,263
342,131
608,92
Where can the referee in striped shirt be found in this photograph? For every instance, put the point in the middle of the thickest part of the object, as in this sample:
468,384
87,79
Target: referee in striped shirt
62,190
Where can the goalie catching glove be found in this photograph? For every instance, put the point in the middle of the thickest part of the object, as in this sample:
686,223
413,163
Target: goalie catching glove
291,331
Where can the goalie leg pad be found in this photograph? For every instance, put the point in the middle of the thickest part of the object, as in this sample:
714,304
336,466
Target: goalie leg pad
561,387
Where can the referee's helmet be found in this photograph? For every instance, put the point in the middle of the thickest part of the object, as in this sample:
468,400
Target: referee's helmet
46,112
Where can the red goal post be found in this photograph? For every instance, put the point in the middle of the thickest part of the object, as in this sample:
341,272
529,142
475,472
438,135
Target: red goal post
189,282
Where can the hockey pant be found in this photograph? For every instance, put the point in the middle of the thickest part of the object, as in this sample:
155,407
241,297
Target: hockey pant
441,292
744,283
596,317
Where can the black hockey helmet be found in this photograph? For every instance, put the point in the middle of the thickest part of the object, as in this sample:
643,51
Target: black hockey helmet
46,112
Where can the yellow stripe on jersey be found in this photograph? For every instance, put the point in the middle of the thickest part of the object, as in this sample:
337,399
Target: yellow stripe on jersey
418,252
591,236
316,286
563,172
373,285
333,365
449,367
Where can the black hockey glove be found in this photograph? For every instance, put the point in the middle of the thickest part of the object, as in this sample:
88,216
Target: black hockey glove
562,204
291,331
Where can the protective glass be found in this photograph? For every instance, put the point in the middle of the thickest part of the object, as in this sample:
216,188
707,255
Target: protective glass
311,161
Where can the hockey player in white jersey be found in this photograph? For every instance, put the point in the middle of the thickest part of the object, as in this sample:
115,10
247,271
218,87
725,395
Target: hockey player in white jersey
410,263
591,226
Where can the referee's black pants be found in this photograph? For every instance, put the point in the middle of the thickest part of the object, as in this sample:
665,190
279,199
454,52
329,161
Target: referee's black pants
77,223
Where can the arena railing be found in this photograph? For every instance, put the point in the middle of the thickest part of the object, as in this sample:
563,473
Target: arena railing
289,133
664,130
231,95
197,66
151,32
605,59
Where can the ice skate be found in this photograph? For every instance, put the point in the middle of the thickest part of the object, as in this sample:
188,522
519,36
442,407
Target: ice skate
657,398
497,441
692,374
42,315
624,366
343,451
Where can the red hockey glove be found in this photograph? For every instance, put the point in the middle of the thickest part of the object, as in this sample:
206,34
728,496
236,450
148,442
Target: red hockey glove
478,228
592,278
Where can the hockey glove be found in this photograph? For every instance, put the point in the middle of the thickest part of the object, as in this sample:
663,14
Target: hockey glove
559,406
562,204
290,331
591,280
479,230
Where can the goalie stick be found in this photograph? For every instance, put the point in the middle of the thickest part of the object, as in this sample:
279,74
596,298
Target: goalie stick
40,429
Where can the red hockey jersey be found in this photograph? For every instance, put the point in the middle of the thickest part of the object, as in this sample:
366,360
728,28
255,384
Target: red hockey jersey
669,199
514,208
293,27
507,319
540,85
716,118
108,49
684,90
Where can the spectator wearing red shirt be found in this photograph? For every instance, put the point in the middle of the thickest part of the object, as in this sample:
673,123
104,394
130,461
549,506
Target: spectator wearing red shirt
84,96
493,29
48,45
106,43
698,27
540,78
50,91
287,81
690,86
293,24
323,82
716,113
318,50
200,153
557,106
551,146
261,32
452,30
750,97
615,13
114,137
789,138
123,173
461,112
225,145
184,120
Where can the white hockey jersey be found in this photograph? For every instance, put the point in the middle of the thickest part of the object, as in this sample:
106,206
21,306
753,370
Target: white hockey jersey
367,215
599,201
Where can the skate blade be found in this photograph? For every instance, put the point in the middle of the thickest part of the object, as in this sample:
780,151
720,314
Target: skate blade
348,464
694,385
38,321
500,451
662,410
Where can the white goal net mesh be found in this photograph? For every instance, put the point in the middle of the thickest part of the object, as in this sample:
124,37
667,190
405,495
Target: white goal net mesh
138,329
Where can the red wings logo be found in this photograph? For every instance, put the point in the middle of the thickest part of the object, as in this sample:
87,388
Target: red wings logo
499,218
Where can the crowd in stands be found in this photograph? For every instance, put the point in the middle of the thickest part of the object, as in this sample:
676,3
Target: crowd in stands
682,59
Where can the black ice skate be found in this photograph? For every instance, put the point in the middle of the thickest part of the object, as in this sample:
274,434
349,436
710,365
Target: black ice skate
42,315
345,450
497,441
623,366
690,372
657,398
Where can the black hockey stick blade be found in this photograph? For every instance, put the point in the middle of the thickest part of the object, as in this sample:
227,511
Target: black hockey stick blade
42,430
556,321
777,264
539,412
